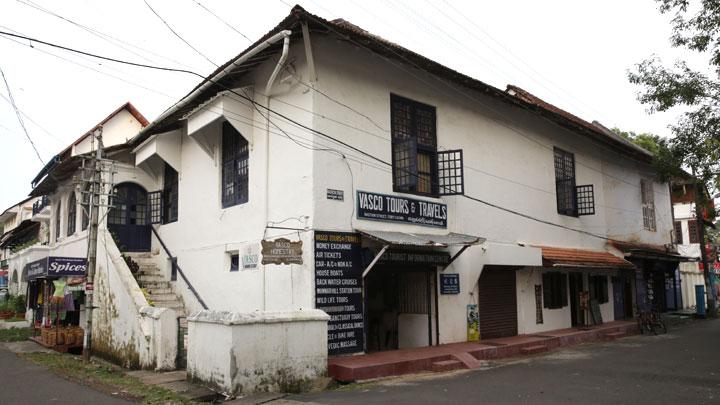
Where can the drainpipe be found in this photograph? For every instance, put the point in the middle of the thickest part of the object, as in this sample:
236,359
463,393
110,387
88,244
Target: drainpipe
268,89
285,34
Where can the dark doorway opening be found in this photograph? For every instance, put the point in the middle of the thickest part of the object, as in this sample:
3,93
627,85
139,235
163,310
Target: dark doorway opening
398,305
577,314
128,218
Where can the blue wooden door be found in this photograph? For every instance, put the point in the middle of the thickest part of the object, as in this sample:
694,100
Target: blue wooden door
618,297
128,218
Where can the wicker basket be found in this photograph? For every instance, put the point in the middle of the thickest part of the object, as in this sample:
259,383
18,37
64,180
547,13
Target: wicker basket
50,337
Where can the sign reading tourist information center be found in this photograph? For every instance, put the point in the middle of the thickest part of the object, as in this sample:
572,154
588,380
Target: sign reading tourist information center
382,207
338,289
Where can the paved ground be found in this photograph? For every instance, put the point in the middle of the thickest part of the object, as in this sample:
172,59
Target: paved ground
682,367
22,382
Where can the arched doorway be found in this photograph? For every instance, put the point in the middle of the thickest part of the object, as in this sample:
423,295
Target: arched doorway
128,219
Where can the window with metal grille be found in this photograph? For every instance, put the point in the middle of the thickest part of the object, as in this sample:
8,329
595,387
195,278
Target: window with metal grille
585,200
155,205
678,232
235,167
170,195
554,290
694,231
414,146
72,214
450,172
58,214
598,286
647,195
565,182
117,215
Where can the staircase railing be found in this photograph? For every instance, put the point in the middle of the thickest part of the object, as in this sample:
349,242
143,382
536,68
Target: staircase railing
177,270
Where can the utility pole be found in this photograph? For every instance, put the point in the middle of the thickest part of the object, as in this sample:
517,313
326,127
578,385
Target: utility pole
699,188
94,194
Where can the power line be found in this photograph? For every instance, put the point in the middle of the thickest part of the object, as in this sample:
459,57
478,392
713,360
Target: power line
221,20
19,117
321,133
178,35
104,36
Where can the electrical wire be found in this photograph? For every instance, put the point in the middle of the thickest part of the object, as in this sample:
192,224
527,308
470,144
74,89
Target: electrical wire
19,117
321,133
221,20
178,35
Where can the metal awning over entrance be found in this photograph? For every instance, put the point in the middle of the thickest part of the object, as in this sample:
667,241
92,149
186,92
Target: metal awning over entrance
406,240
581,258
651,252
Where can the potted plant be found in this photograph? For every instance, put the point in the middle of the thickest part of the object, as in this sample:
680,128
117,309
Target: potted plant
19,306
5,312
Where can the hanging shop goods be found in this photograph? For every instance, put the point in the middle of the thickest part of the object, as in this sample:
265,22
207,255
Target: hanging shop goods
338,289
473,323
281,251
55,296
382,207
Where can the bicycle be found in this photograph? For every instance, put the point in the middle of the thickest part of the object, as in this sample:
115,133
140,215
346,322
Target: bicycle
651,322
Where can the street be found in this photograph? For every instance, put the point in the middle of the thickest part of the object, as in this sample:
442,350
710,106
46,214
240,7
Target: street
682,367
26,383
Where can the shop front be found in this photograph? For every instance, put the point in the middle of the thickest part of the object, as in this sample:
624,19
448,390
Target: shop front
56,297
381,288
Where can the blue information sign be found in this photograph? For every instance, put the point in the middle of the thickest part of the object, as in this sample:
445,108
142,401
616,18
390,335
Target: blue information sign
449,283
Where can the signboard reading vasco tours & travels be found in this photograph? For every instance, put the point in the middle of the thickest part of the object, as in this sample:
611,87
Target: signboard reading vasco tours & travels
382,207
338,289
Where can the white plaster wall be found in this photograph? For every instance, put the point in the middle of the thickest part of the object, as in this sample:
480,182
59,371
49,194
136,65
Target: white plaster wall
206,234
240,353
118,130
508,161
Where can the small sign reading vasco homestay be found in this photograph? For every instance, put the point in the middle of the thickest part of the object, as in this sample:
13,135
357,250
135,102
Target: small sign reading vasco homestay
382,207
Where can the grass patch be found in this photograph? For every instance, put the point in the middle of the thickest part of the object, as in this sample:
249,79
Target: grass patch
105,377
14,334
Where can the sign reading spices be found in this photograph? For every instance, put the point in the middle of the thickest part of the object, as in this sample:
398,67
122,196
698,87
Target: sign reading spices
338,289
281,251
381,207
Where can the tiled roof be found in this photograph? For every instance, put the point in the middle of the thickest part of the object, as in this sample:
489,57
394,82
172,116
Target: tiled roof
353,34
567,257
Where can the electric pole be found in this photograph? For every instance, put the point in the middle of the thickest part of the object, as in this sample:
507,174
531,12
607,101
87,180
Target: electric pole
94,194
699,217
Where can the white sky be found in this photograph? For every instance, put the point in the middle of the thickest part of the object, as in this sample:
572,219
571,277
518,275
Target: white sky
574,54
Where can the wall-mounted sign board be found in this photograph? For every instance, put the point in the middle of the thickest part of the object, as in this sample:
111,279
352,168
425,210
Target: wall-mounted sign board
382,207
281,251
337,195
338,289
449,283
52,267
408,257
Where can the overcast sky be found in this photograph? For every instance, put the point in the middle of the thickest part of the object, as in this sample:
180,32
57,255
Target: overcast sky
574,54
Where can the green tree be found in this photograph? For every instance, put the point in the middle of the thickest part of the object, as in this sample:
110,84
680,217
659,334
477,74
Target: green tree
696,136
695,144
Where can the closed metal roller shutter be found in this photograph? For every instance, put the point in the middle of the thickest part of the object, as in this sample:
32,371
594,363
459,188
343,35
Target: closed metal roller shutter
497,306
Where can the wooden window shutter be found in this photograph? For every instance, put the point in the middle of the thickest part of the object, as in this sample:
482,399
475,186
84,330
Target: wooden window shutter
678,232
694,231
563,289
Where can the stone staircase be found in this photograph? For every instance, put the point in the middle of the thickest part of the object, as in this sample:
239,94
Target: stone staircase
160,294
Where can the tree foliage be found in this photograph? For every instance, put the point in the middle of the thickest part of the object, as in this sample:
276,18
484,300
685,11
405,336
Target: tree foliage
695,144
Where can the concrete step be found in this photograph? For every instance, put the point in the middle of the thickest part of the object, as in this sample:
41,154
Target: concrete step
446,365
169,304
150,285
159,290
533,349
614,335
138,255
162,297
151,277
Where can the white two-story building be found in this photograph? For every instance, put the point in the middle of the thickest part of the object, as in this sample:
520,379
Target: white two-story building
327,192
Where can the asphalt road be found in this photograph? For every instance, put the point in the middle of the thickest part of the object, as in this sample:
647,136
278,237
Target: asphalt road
682,367
22,382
